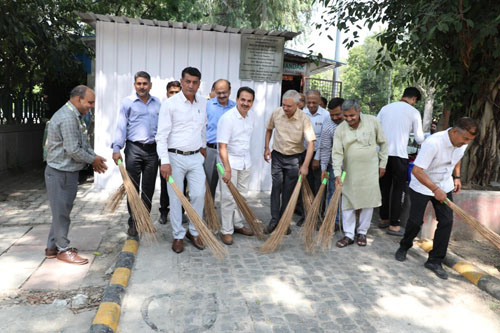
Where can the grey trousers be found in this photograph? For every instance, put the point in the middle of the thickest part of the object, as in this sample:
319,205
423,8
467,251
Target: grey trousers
211,169
61,190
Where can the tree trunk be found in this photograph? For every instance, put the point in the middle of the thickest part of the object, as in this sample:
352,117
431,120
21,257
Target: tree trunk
428,108
484,153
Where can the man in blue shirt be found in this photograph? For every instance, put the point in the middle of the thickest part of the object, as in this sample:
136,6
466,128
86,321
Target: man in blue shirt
216,107
136,130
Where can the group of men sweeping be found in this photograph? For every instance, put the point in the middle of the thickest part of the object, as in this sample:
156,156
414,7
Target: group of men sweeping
186,135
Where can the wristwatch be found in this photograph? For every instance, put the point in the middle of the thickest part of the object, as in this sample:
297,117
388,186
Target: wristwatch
455,177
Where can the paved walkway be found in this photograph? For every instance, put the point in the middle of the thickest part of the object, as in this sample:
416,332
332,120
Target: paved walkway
361,289
351,289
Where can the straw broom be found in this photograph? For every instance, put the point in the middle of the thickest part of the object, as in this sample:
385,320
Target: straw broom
140,213
210,212
327,229
252,220
207,237
307,196
312,217
484,231
274,242
115,199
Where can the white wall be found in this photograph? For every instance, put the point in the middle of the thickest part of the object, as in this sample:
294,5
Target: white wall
124,49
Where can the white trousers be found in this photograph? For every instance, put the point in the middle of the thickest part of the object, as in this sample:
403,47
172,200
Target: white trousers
231,216
349,221
191,168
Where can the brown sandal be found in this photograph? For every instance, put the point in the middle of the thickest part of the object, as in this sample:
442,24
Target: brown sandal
344,242
361,240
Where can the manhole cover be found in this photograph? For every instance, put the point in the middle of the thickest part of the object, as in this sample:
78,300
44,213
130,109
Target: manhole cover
180,311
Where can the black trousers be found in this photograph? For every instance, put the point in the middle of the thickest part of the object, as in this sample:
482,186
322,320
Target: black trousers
284,172
395,177
141,162
444,216
164,200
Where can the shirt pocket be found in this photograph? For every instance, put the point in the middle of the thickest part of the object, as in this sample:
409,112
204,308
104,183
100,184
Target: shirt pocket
366,138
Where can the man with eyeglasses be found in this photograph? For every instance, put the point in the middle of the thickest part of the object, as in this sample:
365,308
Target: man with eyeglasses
216,107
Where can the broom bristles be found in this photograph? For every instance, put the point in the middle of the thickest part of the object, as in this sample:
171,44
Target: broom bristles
115,198
307,196
207,237
327,229
274,242
140,213
309,227
252,220
210,212
483,230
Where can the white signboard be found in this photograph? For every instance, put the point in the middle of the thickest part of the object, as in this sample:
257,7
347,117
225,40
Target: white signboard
261,58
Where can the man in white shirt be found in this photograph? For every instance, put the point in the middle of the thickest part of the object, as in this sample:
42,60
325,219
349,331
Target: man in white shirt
435,175
181,141
318,117
234,132
398,120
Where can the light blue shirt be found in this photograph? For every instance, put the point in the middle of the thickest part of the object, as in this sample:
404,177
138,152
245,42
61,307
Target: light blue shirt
137,121
214,112
317,120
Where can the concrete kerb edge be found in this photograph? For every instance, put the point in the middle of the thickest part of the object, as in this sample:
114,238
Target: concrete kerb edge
109,311
477,276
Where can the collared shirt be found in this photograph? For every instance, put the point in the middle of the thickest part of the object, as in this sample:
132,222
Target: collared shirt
317,120
326,143
236,132
214,111
68,148
137,121
437,157
181,125
290,133
398,120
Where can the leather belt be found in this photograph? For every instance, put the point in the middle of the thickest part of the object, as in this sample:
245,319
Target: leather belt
151,145
212,145
180,152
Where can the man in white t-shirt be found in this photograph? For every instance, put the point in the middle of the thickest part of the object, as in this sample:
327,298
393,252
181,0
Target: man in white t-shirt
398,120
435,175
234,132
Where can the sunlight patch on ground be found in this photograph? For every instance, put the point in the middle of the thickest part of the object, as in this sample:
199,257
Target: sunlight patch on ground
283,293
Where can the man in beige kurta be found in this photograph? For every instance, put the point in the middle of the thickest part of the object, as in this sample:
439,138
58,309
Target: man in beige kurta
355,147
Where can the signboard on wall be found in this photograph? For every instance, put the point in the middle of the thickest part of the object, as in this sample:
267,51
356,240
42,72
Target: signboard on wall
294,68
261,58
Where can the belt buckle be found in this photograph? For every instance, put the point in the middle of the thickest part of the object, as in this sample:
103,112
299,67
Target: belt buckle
185,153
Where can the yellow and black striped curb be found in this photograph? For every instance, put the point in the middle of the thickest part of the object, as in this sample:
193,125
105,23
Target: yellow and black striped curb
480,278
108,315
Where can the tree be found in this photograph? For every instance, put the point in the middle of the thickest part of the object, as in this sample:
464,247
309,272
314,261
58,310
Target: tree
455,45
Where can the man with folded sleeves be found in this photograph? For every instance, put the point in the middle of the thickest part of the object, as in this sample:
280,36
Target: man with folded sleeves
234,133
181,143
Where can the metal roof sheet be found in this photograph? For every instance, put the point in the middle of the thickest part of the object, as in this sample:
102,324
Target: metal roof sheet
91,19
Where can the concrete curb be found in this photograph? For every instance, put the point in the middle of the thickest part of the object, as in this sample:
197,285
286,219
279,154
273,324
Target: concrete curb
480,278
108,315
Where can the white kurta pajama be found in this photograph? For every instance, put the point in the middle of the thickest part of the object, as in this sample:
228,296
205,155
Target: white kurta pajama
356,149
236,132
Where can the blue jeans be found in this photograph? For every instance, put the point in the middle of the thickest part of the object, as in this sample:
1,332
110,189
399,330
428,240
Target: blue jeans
330,190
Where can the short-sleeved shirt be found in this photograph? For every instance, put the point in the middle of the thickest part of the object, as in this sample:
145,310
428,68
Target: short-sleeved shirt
236,132
318,119
437,157
290,133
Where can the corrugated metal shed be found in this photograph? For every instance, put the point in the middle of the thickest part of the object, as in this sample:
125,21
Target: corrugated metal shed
91,19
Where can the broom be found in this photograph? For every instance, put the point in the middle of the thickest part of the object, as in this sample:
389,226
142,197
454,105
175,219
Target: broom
274,242
327,228
307,196
115,199
140,213
484,231
207,237
210,212
312,217
252,220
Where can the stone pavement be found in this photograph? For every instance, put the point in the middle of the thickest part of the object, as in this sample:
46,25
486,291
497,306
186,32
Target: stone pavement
350,289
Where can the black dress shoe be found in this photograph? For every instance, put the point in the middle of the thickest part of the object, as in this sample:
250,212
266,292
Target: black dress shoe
132,232
288,231
270,228
163,219
400,254
437,269
300,222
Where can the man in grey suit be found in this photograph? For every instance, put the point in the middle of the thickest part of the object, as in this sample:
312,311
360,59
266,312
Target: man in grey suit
68,152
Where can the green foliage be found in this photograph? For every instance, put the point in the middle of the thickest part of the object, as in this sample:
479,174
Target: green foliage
451,44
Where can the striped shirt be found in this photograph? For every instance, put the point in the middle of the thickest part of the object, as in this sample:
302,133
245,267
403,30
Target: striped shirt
326,143
68,148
